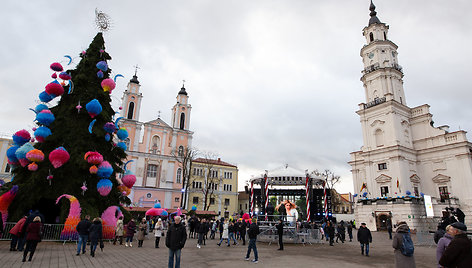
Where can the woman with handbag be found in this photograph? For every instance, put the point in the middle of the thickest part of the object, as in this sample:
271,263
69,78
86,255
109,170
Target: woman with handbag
33,238
142,228
158,231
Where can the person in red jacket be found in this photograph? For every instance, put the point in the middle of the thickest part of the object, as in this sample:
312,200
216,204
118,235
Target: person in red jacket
16,232
33,237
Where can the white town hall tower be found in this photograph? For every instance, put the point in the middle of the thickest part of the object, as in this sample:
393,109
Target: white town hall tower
404,156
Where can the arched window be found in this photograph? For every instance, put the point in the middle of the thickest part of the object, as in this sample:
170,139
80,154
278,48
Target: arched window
371,35
156,142
127,142
379,139
178,176
130,110
182,121
181,151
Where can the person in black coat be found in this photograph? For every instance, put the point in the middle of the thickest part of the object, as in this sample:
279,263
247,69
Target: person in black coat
364,237
253,232
83,230
175,241
349,231
330,230
95,235
458,252
280,232
242,231
201,229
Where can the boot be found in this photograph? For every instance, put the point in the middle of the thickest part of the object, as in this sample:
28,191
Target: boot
126,244
130,244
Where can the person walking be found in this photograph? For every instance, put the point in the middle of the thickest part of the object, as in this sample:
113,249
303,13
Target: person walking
330,232
142,229
130,230
242,231
389,229
231,232
458,253
225,233
349,231
16,233
213,229
221,227
175,241
252,233
83,230
443,243
364,237
33,237
119,231
200,229
158,232
96,235
280,232
403,246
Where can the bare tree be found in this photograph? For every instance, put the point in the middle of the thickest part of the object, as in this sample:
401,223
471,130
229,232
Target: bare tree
185,156
331,179
212,178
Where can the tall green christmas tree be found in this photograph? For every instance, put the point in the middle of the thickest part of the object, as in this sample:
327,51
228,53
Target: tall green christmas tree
78,130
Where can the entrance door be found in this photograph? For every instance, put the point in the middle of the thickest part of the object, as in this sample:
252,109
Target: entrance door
381,220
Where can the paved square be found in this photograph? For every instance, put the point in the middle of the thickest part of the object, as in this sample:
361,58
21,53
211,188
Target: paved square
50,254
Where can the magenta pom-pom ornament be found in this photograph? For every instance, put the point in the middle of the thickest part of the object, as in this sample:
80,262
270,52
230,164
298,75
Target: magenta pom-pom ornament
56,66
54,89
93,158
59,157
108,85
65,76
129,179
54,76
21,137
104,187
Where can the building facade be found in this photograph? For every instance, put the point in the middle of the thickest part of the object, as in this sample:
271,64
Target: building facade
5,168
404,156
155,147
216,181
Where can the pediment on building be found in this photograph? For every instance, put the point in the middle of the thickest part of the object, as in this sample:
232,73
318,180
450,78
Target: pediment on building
383,178
414,178
158,122
377,122
440,178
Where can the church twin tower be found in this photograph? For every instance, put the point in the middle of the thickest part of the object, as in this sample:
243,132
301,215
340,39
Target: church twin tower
404,157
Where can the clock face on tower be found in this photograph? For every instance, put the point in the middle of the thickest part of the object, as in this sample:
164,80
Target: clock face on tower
371,55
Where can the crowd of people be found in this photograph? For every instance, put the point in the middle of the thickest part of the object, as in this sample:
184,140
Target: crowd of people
454,248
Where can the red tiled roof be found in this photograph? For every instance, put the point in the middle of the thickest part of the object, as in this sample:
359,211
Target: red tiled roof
214,162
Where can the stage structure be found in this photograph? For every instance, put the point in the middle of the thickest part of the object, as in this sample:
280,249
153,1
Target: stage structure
288,183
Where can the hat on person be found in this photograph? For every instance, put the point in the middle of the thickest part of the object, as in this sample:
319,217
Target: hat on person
363,223
460,226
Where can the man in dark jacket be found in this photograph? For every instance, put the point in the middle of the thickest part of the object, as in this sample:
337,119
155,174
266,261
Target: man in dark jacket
458,252
175,241
252,233
83,230
364,237
330,231
242,231
280,232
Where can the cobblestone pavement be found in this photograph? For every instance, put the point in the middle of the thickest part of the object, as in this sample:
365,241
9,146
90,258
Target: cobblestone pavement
50,254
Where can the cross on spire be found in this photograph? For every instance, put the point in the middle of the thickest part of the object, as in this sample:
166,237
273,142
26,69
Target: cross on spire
136,67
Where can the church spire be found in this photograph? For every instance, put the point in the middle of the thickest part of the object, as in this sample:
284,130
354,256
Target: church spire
373,14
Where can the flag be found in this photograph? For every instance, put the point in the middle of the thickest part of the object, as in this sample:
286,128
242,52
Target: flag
364,186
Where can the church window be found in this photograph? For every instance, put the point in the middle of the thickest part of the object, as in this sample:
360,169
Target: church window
130,110
152,171
178,177
443,193
127,142
182,121
371,35
379,138
156,141
416,191
401,101
382,166
181,151
384,191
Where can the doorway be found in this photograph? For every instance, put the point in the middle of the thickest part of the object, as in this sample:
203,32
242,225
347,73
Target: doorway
382,218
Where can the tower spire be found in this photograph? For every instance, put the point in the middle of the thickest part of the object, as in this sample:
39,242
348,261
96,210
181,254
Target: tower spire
373,14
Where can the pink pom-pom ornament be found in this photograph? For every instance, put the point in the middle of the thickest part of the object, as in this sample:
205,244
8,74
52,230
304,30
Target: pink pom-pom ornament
129,179
54,76
108,85
59,157
56,66
93,158
54,89
35,155
33,167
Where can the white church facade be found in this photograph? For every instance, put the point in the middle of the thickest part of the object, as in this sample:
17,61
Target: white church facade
404,156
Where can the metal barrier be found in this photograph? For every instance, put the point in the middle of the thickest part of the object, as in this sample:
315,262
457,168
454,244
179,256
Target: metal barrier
425,238
59,232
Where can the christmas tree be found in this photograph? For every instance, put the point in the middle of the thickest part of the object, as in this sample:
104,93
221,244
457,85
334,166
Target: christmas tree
75,153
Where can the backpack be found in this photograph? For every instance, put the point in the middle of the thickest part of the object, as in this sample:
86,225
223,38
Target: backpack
407,246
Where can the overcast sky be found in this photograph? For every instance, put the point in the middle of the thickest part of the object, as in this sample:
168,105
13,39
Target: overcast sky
270,82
